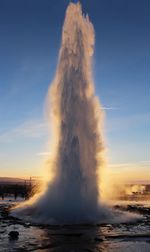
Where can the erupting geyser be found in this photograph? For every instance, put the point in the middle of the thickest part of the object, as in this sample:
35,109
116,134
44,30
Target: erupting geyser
73,194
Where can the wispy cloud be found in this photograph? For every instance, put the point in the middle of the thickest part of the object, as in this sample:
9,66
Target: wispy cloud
139,164
120,165
145,162
28,129
43,154
109,108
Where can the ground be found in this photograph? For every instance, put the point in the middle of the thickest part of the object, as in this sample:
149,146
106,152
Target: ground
91,238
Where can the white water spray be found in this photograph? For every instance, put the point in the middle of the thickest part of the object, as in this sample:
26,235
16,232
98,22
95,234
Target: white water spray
72,196
74,192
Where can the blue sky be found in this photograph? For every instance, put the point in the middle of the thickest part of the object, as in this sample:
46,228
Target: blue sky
30,35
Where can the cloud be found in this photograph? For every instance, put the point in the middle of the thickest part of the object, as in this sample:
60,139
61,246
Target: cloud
109,108
140,164
28,129
145,162
120,165
43,154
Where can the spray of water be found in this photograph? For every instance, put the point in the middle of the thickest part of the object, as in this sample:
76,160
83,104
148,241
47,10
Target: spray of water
72,195
77,116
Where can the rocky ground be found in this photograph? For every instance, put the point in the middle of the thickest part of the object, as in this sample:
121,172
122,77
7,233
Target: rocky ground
15,235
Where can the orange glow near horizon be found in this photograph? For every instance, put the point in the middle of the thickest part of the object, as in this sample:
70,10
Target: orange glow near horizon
131,172
118,175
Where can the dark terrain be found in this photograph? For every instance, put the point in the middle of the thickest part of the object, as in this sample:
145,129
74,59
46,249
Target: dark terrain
108,237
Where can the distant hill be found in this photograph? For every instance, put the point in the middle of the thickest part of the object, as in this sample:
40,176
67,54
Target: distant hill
139,182
11,180
7,180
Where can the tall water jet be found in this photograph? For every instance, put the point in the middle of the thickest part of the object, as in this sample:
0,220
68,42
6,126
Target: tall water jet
72,196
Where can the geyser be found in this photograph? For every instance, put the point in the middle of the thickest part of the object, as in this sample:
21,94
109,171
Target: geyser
72,196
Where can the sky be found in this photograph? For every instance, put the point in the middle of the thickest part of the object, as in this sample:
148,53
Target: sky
30,37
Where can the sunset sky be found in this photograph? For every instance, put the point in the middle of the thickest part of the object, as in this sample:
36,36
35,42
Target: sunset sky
30,36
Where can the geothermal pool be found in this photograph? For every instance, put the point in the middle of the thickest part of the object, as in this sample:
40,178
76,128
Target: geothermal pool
77,238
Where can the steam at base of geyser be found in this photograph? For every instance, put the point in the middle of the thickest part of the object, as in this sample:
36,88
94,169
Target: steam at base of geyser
72,196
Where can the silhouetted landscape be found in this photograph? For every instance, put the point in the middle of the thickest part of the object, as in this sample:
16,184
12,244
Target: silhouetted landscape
14,188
